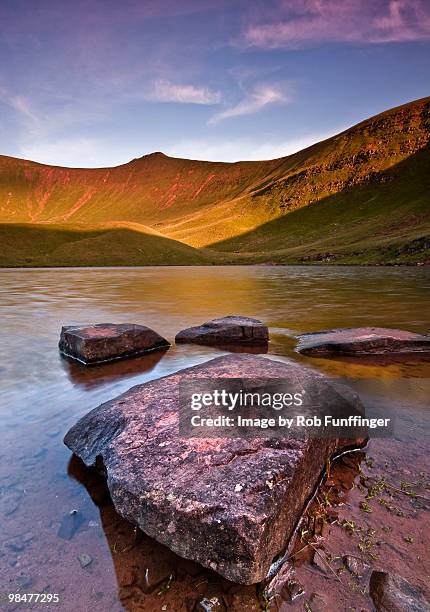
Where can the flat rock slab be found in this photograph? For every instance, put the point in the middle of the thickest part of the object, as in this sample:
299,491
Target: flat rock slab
226,330
363,341
93,344
229,504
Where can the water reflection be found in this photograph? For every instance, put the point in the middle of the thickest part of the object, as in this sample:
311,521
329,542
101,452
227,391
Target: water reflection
94,376
42,395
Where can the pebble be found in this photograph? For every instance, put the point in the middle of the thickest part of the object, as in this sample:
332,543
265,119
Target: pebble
84,559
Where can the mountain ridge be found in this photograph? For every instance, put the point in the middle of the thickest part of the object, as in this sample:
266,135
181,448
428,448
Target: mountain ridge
214,204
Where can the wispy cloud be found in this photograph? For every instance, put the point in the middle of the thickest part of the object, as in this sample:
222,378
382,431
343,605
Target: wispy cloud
254,101
20,104
166,91
299,23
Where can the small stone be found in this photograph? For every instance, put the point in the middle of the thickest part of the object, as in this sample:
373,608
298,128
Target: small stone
15,545
84,559
355,565
54,433
210,603
70,524
392,593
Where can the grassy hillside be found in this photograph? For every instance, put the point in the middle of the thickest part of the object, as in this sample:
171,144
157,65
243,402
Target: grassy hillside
387,221
361,196
28,245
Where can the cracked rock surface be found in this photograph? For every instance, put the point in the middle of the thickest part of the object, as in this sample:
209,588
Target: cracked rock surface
229,504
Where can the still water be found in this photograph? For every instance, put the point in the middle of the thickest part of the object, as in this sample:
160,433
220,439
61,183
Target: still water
42,394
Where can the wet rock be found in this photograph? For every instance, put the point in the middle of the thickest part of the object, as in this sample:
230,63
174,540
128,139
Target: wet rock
70,524
226,330
92,344
363,341
84,560
355,565
392,593
210,603
182,491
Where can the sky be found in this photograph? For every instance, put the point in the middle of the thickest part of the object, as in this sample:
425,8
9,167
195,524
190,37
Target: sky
92,83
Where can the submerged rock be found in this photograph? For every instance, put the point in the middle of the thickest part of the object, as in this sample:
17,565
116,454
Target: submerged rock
92,344
230,504
70,524
226,330
84,560
363,341
392,593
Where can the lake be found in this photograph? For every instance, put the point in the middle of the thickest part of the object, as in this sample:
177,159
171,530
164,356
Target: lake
43,394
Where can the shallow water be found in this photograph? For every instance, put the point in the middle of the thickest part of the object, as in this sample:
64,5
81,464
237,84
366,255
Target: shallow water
42,394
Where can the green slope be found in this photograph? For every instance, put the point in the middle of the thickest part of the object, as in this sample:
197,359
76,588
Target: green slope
387,221
28,245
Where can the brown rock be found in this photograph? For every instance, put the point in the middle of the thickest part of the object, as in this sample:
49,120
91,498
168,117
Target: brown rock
392,593
208,499
363,341
92,344
226,330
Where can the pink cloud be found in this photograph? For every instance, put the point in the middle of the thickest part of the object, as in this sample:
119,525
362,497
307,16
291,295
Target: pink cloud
307,22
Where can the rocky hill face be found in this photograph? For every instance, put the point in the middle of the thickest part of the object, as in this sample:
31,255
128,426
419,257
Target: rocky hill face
210,204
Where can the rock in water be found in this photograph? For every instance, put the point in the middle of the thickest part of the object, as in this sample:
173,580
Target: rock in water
363,341
392,593
70,524
92,344
230,504
226,330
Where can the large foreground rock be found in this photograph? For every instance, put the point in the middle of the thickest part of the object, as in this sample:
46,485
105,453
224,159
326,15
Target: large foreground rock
363,341
392,593
92,344
230,504
226,330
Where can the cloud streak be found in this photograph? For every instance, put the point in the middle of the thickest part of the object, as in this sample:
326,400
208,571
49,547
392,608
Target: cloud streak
166,91
299,23
253,102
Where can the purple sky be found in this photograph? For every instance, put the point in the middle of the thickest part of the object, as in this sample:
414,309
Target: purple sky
98,82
